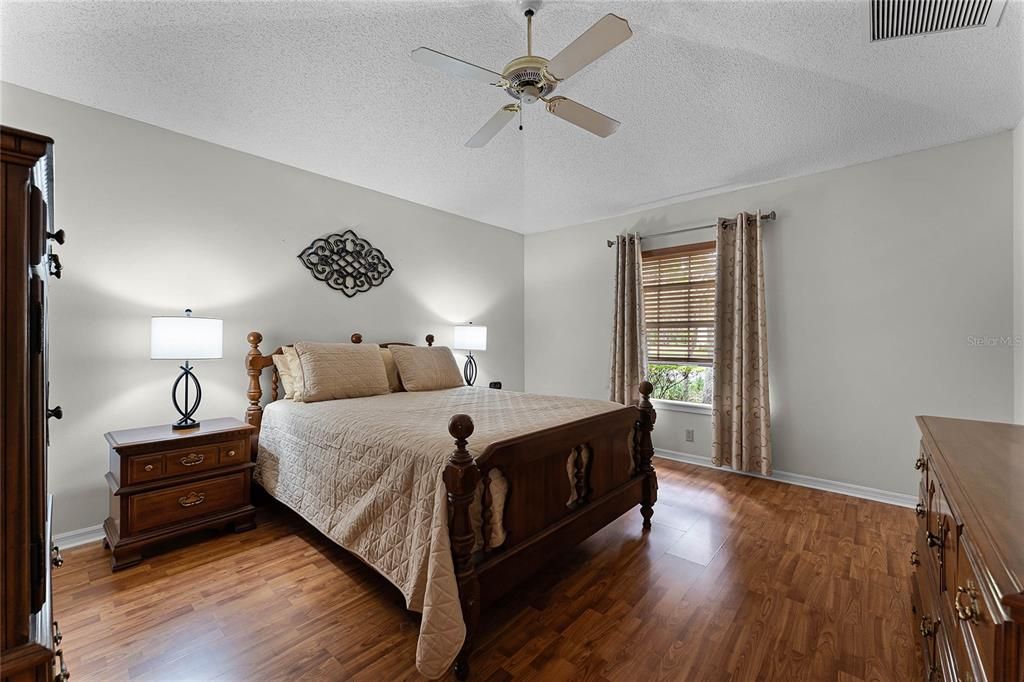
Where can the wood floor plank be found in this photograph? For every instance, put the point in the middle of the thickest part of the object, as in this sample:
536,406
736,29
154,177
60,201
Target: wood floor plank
740,579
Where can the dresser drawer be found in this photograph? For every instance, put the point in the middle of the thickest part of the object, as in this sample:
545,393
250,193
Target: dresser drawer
937,533
192,460
230,454
928,618
145,468
183,502
185,461
975,623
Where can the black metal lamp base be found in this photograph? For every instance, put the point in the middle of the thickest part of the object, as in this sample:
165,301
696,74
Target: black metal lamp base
186,421
469,371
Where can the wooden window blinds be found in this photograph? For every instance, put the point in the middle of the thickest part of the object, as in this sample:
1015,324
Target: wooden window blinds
679,304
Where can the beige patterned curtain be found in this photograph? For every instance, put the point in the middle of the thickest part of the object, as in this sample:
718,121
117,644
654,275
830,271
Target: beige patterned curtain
740,421
629,342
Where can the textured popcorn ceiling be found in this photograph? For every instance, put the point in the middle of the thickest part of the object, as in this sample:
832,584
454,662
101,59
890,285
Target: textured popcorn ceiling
711,95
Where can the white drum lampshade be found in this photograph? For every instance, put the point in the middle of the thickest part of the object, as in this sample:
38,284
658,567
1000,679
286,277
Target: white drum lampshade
470,337
186,338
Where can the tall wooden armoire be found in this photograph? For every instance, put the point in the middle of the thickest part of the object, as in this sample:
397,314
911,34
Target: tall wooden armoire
30,637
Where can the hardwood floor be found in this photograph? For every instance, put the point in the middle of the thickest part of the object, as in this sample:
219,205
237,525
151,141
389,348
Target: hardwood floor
740,579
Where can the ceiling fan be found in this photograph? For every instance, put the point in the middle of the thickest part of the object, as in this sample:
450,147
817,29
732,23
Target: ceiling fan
530,78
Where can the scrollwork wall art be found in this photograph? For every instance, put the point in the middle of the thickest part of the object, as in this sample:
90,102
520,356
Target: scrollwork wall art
346,263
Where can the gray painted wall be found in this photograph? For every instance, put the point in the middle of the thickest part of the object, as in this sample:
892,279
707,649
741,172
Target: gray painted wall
158,221
878,277
1018,271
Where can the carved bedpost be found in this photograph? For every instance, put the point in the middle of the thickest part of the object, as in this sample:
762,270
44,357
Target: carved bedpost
254,413
645,452
461,477
430,342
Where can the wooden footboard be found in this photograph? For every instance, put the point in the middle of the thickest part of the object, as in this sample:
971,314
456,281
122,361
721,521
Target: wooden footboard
564,484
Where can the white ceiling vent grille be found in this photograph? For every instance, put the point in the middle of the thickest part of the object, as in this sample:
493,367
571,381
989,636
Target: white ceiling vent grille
903,18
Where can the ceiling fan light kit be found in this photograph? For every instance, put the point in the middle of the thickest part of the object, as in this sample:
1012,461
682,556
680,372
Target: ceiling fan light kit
531,78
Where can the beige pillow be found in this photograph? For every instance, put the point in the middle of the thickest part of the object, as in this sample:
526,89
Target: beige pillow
426,369
284,371
293,368
394,382
331,371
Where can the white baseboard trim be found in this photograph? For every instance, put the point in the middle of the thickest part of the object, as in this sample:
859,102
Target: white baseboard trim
82,536
863,492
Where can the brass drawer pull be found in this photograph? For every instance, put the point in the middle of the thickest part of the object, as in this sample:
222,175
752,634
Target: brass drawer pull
192,459
55,556
919,463
231,453
971,611
927,627
934,540
914,560
192,499
148,467
919,509
58,637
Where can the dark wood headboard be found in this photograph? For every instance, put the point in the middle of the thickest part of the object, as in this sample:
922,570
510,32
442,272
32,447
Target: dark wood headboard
256,362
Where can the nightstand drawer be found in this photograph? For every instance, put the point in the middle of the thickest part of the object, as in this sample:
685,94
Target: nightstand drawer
191,460
147,468
233,453
183,502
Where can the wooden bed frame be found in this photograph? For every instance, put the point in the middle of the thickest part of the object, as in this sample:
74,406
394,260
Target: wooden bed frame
538,521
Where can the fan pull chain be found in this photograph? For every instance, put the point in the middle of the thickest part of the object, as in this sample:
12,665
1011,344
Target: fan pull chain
520,118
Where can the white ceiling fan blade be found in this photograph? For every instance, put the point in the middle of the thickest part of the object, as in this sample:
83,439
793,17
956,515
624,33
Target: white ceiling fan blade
456,67
493,126
609,32
584,117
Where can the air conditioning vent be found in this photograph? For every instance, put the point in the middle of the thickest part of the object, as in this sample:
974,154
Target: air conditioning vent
903,18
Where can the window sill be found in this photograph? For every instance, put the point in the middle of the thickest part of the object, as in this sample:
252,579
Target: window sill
680,406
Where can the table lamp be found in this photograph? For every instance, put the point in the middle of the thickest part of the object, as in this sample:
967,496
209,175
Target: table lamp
470,338
184,339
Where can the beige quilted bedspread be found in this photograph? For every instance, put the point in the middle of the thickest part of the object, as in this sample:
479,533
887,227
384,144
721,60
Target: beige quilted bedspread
366,472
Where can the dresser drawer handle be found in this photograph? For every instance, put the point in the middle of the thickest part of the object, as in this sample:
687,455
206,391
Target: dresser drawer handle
148,467
56,558
63,675
927,627
231,453
971,611
919,509
934,540
919,463
192,459
192,499
58,637
914,561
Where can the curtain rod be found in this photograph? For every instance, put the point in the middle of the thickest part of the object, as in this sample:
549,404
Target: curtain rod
770,215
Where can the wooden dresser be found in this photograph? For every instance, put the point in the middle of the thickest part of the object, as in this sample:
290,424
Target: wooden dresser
164,483
31,638
968,591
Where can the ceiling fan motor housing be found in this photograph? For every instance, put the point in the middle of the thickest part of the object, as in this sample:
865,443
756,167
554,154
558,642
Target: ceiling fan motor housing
526,79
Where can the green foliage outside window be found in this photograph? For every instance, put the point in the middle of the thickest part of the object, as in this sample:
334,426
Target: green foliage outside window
688,383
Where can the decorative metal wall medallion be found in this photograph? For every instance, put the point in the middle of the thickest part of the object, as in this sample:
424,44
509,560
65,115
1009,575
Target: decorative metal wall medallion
346,262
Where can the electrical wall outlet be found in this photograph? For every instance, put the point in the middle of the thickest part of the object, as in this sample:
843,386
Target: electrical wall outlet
689,435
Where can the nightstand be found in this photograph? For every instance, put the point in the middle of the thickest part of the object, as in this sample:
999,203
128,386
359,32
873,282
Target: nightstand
165,483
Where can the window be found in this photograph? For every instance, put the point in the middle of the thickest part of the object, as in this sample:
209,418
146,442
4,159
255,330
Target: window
679,307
